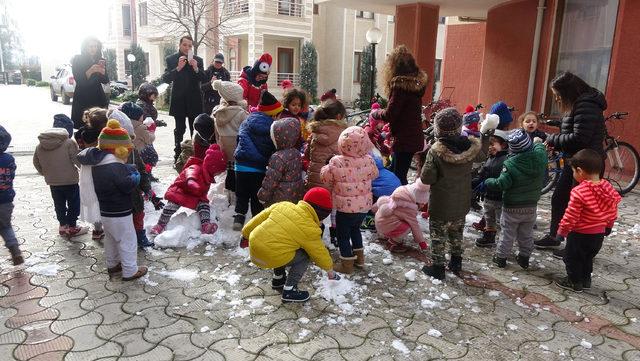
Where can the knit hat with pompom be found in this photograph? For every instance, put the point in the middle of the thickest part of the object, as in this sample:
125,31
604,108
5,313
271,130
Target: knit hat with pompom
115,140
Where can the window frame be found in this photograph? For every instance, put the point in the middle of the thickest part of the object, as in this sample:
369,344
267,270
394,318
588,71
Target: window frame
143,15
357,64
126,26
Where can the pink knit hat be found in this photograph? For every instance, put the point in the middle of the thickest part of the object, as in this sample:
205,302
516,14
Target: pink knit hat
420,191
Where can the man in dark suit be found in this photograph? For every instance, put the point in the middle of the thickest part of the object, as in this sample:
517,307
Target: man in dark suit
186,98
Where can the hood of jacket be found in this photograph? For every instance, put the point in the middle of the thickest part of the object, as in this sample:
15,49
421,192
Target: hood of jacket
410,83
596,97
91,156
225,113
605,195
285,133
449,156
354,142
53,138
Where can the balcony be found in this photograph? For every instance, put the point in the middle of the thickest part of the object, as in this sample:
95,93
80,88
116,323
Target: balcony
285,7
235,7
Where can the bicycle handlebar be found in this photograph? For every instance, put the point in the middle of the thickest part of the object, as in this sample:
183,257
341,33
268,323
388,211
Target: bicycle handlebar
617,115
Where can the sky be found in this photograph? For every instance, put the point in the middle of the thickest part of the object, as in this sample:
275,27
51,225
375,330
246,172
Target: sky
54,29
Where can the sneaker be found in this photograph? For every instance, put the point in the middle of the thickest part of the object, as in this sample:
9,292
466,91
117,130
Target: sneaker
157,229
294,295
499,261
238,222
523,261
76,231
368,223
546,242
142,270
16,255
565,283
143,241
97,235
208,228
63,231
558,253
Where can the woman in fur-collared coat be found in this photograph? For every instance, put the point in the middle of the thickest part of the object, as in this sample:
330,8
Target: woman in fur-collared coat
404,85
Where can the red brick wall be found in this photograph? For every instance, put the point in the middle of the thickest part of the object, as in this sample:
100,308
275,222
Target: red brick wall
462,63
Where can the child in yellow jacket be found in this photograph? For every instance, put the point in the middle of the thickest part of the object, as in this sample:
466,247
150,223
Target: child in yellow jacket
288,235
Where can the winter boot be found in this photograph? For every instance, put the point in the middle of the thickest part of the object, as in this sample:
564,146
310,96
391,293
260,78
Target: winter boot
345,265
567,284
333,236
208,228
368,223
488,239
142,270
359,263
16,255
294,295
143,241
435,271
479,226
455,264
157,229
523,261
547,242
238,222
499,261
586,283
278,280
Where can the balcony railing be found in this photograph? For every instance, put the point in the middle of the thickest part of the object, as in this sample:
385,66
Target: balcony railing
275,79
235,7
285,7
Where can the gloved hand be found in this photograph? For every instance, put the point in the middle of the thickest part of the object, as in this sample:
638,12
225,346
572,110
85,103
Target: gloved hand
157,202
481,187
244,243
607,232
135,176
490,122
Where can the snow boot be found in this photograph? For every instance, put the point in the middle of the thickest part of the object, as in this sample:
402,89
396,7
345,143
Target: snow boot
567,284
488,239
499,261
16,255
345,265
294,295
359,263
238,222
333,236
435,271
523,261
143,241
455,265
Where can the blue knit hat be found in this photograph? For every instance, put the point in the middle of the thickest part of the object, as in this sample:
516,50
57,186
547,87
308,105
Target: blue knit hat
519,141
5,139
63,121
502,110
132,110
470,118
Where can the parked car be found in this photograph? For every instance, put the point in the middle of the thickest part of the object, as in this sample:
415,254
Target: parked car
15,77
63,85
118,87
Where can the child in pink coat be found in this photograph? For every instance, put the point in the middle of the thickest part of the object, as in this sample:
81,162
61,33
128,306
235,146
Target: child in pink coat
396,214
349,175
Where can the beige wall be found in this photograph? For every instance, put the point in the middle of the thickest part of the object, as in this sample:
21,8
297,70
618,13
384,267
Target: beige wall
271,46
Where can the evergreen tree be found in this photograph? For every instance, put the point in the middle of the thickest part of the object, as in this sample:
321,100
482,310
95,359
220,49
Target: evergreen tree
365,78
309,70
112,66
139,66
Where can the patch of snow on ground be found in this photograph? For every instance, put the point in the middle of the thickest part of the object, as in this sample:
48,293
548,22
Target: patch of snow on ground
410,275
256,302
434,333
181,274
303,320
429,304
400,346
303,333
335,291
586,344
45,269
635,230
512,327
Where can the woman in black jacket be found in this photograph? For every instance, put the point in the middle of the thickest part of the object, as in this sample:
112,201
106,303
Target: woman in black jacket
582,127
89,71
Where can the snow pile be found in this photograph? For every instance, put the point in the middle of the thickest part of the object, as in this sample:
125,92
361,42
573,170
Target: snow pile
181,274
230,277
45,269
400,346
434,333
303,333
147,281
635,230
182,231
335,291
410,275
429,304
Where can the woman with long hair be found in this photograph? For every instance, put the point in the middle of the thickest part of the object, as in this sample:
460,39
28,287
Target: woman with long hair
582,127
404,85
89,71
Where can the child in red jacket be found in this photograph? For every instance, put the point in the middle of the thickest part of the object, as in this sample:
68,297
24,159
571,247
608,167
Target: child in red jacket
589,217
190,189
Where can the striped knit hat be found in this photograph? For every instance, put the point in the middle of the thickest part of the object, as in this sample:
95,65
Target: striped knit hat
269,104
115,140
519,141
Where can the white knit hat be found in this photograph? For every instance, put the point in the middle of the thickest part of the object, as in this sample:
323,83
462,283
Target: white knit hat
229,91
124,120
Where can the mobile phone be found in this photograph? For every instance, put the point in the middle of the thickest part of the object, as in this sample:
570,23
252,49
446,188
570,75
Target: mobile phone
190,55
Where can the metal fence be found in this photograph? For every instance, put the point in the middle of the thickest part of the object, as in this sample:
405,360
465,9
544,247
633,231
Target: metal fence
285,7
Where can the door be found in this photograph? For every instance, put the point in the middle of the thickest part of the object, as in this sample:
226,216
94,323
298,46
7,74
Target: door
285,64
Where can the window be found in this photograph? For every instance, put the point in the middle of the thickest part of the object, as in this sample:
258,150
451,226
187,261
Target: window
586,39
364,14
441,20
146,58
392,18
142,10
357,63
290,8
183,7
437,70
316,9
236,7
126,20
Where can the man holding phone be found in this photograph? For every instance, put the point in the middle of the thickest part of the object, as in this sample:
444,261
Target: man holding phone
185,70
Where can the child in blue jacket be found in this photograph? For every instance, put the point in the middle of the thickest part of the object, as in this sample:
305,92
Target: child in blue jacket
7,174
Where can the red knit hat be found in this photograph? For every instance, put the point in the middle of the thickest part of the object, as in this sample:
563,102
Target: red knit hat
470,108
318,196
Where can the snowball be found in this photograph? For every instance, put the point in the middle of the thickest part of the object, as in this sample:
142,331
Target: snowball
335,291
410,276
387,261
512,327
586,344
400,346
429,304
181,274
543,327
204,329
387,295
434,333
256,302
303,320
445,296
45,269
544,347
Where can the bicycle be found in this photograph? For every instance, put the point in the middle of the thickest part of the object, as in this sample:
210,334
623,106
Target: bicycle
622,162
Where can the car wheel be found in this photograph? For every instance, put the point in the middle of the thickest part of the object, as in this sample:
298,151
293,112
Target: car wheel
65,99
54,97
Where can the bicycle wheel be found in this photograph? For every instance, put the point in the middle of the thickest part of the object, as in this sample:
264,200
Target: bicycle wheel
622,167
554,168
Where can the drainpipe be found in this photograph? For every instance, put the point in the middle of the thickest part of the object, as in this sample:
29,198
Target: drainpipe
534,55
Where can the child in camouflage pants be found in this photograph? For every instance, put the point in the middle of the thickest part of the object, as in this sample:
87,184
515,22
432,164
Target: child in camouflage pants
447,169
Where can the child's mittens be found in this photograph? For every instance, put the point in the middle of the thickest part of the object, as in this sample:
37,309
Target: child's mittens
423,246
333,276
489,123
157,202
244,243
134,175
208,228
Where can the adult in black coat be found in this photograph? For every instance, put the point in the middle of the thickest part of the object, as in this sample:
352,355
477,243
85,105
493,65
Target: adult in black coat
89,71
216,71
582,127
186,98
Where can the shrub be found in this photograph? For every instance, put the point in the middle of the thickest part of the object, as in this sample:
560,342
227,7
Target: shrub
31,82
128,96
42,84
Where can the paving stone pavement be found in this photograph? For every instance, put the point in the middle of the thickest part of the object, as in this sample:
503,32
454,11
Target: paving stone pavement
229,312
